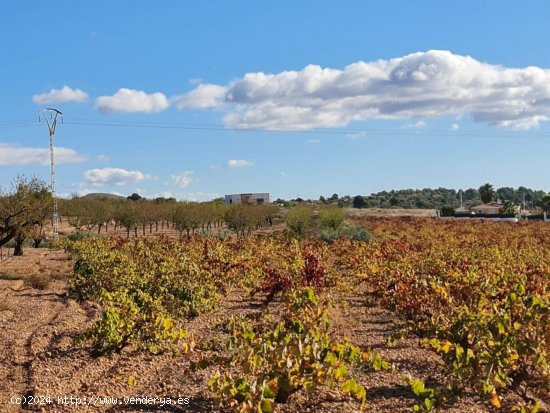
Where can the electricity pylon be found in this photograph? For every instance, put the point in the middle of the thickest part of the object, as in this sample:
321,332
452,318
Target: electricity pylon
50,117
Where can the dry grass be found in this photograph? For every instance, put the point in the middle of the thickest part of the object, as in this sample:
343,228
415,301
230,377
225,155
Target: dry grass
389,212
10,277
57,276
61,258
38,281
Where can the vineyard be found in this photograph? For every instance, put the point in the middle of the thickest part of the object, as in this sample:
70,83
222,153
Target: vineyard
272,323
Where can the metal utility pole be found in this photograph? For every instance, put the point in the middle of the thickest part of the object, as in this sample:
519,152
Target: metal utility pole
50,116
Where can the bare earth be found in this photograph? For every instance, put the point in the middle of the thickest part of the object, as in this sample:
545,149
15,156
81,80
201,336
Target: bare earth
389,212
39,357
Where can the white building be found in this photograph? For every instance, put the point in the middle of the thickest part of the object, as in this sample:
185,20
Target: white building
248,199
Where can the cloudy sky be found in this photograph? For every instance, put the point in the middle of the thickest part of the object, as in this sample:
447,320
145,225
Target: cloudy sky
198,99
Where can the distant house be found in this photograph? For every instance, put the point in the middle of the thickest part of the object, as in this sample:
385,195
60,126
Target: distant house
248,199
492,208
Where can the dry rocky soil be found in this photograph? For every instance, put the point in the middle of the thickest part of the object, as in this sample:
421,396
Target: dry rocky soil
39,356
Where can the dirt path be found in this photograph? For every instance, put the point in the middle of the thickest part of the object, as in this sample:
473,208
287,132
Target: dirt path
25,328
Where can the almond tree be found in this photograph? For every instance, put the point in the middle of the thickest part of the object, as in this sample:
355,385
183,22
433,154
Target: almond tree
29,203
125,215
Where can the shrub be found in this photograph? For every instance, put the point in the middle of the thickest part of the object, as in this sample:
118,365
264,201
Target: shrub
146,288
38,281
77,236
447,211
354,233
331,217
278,281
270,362
10,276
299,220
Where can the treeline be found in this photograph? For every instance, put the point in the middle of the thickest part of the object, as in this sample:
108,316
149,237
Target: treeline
148,216
440,197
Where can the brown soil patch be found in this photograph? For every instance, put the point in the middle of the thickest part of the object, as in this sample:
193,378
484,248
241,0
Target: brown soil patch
356,213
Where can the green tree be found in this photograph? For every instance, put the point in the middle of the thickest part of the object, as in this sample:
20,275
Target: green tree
359,202
487,193
331,217
241,218
135,197
103,214
75,212
181,218
507,193
299,219
447,211
546,203
125,215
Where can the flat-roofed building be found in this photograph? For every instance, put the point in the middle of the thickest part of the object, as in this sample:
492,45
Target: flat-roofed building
248,199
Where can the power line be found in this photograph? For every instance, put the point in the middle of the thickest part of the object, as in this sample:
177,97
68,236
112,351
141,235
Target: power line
350,132
17,121
366,132
17,124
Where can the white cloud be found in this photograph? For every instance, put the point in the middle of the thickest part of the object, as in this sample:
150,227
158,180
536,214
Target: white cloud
85,191
184,179
415,125
197,196
356,135
202,97
454,127
164,194
63,195
132,101
102,158
185,196
65,94
313,141
113,176
12,155
239,163
419,85
525,123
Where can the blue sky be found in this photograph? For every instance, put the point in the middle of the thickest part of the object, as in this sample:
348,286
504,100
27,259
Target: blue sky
198,99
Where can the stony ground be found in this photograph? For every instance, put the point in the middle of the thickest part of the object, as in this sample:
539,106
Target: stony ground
39,357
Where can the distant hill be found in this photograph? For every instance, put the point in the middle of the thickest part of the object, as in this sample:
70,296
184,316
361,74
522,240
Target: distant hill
101,195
